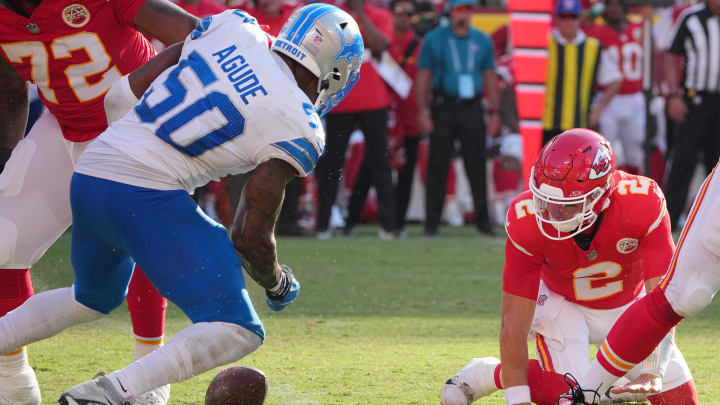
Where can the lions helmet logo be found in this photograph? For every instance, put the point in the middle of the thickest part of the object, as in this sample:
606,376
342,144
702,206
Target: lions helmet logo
350,51
601,165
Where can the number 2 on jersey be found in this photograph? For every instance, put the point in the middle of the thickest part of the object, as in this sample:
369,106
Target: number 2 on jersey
177,127
633,186
587,281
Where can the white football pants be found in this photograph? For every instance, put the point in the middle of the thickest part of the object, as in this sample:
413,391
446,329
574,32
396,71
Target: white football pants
622,122
565,330
34,193
694,274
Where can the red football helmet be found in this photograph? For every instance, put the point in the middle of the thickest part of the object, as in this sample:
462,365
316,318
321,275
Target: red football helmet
571,181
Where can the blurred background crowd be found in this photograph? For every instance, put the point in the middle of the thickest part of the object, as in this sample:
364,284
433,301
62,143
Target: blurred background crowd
432,133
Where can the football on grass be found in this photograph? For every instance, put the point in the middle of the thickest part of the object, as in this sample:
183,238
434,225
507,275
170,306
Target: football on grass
237,386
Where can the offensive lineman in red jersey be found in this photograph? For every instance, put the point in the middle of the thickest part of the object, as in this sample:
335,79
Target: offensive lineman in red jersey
583,243
73,50
623,119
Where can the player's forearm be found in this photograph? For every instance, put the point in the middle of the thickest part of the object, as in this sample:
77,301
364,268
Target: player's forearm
373,38
514,357
423,81
670,64
492,89
164,21
517,315
610,91
143,76
13,107
254,223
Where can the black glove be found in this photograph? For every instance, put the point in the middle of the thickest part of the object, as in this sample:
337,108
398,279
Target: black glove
4,157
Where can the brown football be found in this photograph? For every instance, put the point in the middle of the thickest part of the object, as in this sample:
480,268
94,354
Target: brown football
237,386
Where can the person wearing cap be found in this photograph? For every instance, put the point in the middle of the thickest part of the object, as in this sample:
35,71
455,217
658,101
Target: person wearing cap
455,66
576,64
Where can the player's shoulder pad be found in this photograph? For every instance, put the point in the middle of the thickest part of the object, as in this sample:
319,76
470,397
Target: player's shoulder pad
640,200
520,223
214,22
299,140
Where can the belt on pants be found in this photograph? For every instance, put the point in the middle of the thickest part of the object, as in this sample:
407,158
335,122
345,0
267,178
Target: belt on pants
440,99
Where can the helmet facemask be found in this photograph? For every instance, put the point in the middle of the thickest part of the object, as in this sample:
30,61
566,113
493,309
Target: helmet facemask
568,216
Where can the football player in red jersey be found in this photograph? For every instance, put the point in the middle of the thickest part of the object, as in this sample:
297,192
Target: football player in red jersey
623,119
73,50
582,245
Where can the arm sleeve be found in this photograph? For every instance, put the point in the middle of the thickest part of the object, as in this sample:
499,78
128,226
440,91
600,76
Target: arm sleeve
609,70
125,9
521,274
657,249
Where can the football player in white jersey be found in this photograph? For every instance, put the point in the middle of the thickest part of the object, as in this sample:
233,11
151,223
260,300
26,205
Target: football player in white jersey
230,99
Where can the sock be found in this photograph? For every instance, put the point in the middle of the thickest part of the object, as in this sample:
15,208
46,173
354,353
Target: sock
41,316
15,288
545,386
142,348
147,312
633,337
682,395
14,362
198,348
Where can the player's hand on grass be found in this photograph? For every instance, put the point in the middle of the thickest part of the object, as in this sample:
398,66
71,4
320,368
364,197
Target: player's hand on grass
643,384
286,291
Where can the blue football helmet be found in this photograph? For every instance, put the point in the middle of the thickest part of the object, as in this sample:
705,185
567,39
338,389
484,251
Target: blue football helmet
326,40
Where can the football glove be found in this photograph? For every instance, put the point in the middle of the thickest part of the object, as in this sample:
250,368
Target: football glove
286,294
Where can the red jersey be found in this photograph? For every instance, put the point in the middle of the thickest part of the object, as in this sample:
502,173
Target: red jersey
370,93
633,243
274,23
626,48
74,50
202,8
405,109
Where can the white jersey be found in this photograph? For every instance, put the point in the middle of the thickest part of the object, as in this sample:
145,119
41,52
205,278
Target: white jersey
229,105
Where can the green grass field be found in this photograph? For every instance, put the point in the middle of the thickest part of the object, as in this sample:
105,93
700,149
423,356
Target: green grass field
375,323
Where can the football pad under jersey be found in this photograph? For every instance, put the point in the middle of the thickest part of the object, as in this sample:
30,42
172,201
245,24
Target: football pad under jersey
229,105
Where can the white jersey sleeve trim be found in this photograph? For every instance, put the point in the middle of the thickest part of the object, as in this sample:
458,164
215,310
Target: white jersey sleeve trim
659,219
520,248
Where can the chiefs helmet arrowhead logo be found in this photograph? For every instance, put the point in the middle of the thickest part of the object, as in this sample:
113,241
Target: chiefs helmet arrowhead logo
601,165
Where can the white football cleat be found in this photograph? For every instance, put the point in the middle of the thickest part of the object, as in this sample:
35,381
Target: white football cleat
158,396
475,380
96,392
19,388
